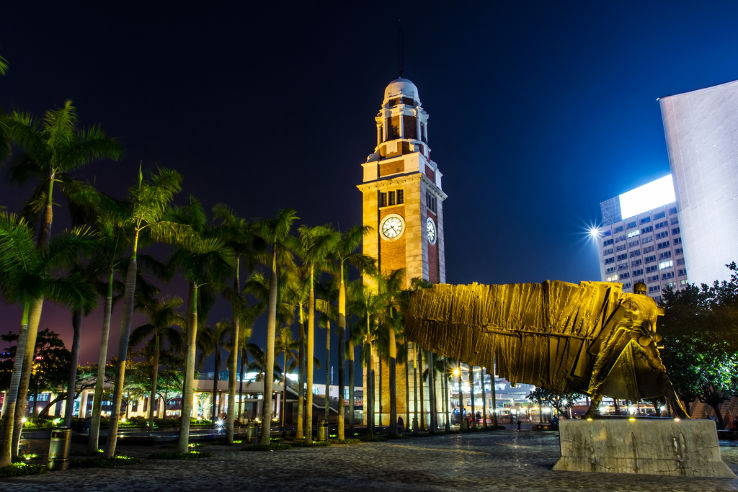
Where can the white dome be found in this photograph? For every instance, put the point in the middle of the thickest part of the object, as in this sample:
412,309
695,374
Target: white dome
401,87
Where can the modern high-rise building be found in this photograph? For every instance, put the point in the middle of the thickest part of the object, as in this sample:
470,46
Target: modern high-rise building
640,239
701,129
403,204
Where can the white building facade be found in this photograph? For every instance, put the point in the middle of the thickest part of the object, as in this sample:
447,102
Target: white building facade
640,239
701,129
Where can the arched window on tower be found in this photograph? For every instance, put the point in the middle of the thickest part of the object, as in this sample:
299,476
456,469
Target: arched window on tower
410,127
393,129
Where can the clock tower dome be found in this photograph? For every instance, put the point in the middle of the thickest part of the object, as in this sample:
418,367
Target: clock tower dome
403,204
401,188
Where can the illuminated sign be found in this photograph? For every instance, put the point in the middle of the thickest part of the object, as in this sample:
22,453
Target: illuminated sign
647,197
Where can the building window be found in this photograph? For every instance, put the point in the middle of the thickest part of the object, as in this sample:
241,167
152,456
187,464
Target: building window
678,251
677,240
612,278
633,244
647,249
682,272
662,235
661,224
634,233
652,289
653,278
672,211
382,199
659,215
622,257
674,221
618,229
646,229
665,255
638,272
651,269
645,220
610,269
624,275
622,266
609,260
390,198
636,263
608,251
400,197
650,259
608,242
680,261
663,245
683,282
645,240
430,201
626,285
667,275
635,253
675,231
666,264
631,225
621,247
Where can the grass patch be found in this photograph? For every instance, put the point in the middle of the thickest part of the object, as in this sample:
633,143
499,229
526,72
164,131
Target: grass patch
345,441
173,455
310,444
105,462
280,446
20,469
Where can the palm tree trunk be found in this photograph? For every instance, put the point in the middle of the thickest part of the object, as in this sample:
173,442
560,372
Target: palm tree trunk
309,359
20,404
240,390
230,416
37,305
266,420
12,393
300,433
494,398
154,377
392,382
352,376
379,396
189,376
125,332
341,357
484,399
92,443
369,399
422,383
216,377
284,389
446,396
407,385
415,387
471,389
432,393
327,369
461,396
72,381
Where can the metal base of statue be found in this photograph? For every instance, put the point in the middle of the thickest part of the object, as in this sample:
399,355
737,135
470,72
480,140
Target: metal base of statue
687,448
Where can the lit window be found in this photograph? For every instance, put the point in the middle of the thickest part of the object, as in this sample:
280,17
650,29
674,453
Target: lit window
634,233
666,264
612,278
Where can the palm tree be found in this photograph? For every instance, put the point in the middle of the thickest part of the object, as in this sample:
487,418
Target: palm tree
211,340
239,236
275,232
51,150
3,66
205,260
316,244
286,345
26,275
345,251
328,293
165,323
390,287
149,201
471,389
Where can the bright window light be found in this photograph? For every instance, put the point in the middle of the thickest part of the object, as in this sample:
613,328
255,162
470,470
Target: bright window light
634,233
612,278
647,197
666,264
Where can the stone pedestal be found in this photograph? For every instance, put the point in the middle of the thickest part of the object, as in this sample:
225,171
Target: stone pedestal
653,447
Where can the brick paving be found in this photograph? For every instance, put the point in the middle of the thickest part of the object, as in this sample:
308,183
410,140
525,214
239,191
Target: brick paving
501,460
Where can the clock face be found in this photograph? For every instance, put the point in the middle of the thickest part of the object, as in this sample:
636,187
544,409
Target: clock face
430,230
392,226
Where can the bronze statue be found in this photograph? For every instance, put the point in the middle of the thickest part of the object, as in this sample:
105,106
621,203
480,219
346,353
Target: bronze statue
591,338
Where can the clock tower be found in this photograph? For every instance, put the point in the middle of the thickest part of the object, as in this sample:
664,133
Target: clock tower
401,188
403,203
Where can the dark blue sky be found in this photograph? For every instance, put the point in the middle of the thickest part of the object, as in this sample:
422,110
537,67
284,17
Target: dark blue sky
538,110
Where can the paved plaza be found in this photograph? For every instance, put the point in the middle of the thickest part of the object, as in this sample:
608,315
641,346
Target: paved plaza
501,460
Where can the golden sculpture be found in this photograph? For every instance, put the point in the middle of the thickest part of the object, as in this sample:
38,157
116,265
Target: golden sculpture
591,338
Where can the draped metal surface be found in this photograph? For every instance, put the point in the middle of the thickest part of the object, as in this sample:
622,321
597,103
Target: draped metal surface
591,337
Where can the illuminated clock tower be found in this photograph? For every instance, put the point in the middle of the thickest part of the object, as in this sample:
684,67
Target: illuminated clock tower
401,188
403,204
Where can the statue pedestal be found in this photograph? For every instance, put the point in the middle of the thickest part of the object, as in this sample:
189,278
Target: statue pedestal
686,448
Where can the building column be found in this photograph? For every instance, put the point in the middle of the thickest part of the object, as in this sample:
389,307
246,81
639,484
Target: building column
402,124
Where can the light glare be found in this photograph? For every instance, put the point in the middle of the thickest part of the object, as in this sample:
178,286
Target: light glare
647,197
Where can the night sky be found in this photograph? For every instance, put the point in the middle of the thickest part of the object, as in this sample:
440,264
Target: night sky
538,111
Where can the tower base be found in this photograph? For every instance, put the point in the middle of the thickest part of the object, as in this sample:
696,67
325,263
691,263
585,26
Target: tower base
686,448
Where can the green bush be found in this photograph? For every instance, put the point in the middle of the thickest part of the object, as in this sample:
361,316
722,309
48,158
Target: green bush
19,469
105,462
